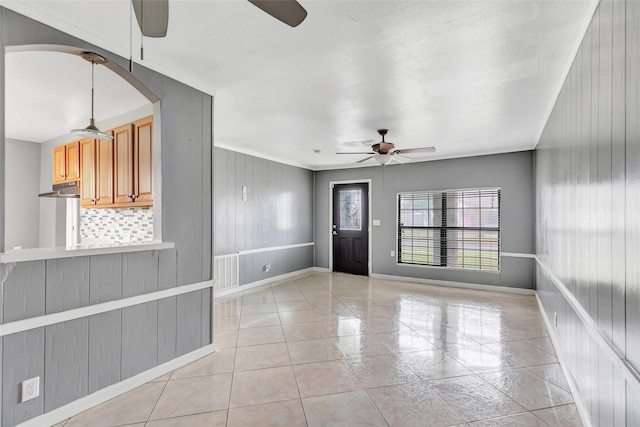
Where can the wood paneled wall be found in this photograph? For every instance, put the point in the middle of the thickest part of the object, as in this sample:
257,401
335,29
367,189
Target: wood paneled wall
588,225
278,211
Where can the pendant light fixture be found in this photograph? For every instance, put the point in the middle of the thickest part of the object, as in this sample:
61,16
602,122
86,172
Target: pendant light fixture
92,131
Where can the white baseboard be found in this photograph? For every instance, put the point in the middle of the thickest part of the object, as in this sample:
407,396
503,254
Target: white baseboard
270,280
464,285
115,390
321,269
582,410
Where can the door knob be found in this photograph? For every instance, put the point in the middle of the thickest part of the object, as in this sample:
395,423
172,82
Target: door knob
335,233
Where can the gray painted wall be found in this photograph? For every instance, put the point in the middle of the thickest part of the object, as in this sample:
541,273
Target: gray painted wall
588,227
512,172
278,212
78,357
186,158
22,204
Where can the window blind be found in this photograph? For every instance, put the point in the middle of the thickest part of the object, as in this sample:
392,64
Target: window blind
454,228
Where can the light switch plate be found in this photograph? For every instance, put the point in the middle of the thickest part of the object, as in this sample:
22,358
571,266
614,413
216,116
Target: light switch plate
376,222
30,389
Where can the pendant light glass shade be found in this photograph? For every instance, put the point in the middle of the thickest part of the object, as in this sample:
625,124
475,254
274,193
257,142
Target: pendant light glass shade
92,131
383,159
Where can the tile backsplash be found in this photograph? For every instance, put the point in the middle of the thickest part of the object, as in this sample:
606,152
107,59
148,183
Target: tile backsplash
116,225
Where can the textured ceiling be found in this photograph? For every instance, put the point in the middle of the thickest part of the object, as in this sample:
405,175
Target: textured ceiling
49,93
468,77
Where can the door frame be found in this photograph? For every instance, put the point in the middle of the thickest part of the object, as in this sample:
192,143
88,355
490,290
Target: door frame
369,220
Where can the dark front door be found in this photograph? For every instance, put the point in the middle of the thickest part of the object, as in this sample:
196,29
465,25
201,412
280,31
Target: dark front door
350,228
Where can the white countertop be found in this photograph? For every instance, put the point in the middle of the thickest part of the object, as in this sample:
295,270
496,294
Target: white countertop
35,254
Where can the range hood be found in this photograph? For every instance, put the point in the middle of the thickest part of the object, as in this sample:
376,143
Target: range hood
65,190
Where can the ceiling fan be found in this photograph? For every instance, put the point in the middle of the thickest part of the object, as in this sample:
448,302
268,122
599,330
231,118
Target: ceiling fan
383,152
153,15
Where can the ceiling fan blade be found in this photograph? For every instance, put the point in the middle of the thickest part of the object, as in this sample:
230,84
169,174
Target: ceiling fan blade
416,150
400,159
365,159
357,152
152,16
288,11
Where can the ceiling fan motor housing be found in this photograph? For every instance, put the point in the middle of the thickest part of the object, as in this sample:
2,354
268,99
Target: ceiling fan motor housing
382,147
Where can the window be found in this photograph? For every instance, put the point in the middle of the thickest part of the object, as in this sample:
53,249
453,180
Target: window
453,228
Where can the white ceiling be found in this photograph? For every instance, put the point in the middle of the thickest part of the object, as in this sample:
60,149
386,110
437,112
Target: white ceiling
49,93
468,77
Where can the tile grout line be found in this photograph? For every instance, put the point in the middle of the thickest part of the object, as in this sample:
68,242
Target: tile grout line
157,400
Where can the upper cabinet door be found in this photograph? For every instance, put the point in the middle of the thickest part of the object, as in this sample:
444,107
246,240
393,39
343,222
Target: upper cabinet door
104,172
142,160
123,164
73,161
88,167
59,163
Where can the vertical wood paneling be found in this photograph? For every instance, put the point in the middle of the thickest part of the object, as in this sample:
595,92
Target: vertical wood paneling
189,328
23,357
105,348
250,204
593,178
232,195
604,168
594,212
23,294
239,222
206,303
278,211
167,329
66,369
105,278
585,173
139,273
67,284
139,338
633,182
220,205
183,176
207,188
618,175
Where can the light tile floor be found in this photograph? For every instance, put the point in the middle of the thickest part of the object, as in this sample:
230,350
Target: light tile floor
339,350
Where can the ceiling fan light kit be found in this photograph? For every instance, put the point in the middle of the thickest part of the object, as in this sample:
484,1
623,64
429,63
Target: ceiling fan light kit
383,159
384,152
92,130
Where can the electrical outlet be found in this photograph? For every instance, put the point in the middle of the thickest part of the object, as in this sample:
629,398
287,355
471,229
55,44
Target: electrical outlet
30,389
555,319
267,267
393,253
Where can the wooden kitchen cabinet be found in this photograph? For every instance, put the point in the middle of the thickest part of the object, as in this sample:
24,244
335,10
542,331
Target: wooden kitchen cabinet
123,162
96,184
133,163
87,175
72,159
59,164
66,162
117,173
142,160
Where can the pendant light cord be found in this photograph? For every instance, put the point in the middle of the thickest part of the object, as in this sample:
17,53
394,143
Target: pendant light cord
131,37
142,30
93,66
